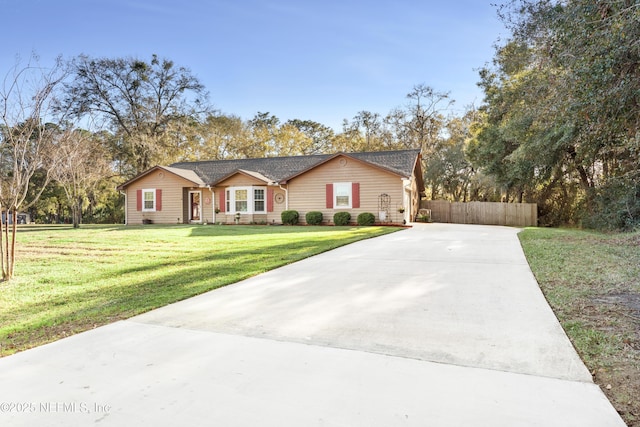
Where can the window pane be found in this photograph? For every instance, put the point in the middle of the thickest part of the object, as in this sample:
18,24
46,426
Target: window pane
149,197
258,200
241,205
343,194
342,201
241,200
342,190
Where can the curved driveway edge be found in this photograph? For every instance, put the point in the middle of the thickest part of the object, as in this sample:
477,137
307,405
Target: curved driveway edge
438,325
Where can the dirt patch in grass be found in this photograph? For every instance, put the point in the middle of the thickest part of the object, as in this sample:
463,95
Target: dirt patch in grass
625,303
618,375
592,282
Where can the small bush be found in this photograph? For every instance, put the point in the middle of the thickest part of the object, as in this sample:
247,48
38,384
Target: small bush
366,218
290,217
614,206
342,218
314,218
424,215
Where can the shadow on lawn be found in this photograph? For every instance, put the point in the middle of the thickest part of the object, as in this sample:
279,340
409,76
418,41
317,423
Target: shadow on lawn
140,290
30,228
246,230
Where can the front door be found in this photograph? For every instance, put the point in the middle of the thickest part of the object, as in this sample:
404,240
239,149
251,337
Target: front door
195,206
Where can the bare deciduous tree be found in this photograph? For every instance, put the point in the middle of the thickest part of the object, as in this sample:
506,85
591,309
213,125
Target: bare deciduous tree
424,117
83,162
26,145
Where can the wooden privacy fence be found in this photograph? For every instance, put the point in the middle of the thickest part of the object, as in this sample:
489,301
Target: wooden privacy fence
487,213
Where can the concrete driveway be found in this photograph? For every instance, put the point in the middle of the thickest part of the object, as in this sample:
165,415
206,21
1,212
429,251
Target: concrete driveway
438,325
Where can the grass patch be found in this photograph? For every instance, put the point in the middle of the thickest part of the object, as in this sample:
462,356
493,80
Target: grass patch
592,282
71,280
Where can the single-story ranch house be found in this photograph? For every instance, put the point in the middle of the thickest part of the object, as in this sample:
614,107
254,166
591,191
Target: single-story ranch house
387,184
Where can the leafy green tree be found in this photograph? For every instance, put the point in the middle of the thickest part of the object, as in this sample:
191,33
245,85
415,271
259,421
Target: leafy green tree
448,172
262,140
369,125
221,136
500,147
349,140
561,106
52,206
290,141
146,105
104,204
320,136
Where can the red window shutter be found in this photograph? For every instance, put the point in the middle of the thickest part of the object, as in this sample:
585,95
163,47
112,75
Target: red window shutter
139,200
158,199
269,199
223,202
355,194
329,196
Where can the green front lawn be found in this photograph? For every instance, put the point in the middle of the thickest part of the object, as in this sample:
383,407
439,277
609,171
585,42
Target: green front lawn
70,280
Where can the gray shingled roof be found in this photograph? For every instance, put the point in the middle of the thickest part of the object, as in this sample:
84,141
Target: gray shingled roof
279,169
401,162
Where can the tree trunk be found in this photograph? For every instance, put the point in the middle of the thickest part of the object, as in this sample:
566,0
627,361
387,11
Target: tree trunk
8,246
2,243
7,257
12,256
76,212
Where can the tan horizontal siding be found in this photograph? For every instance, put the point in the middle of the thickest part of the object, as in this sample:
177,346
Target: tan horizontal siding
275,217
206,204
172,198
307,192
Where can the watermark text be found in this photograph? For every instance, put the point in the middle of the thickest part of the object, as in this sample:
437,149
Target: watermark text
54,407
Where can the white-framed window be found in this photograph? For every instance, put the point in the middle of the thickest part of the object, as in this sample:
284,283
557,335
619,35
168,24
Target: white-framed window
258,200
342,196
149,200
241,199
246,200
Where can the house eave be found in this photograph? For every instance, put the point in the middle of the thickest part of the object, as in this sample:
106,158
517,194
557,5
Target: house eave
250,174
181,173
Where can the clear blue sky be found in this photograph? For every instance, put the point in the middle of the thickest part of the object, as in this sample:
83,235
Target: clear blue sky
322,60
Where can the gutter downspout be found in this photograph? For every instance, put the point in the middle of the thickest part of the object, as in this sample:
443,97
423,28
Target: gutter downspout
126,217
408,213
213,205
286,196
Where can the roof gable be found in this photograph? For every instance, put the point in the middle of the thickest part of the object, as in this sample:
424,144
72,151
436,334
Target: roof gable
187,174
251,174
